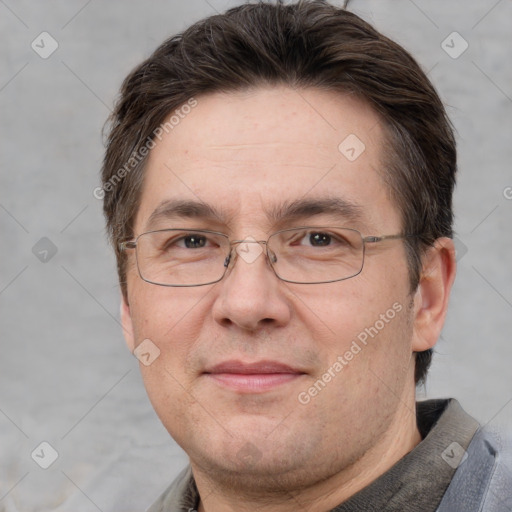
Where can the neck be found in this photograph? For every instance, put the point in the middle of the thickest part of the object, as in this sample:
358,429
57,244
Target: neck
324,495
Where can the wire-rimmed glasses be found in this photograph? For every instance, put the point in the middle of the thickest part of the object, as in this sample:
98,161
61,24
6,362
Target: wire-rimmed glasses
302,255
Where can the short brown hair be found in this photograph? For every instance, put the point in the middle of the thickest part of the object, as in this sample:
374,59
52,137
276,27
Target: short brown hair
306,44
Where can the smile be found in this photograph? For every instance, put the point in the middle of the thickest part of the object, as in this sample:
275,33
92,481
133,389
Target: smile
252,377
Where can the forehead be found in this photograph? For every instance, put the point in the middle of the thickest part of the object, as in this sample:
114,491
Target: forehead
246,153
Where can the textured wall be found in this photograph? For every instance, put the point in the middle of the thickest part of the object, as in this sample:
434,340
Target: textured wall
65,375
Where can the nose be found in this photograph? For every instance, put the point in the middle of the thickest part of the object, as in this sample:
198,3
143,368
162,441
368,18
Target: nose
251,296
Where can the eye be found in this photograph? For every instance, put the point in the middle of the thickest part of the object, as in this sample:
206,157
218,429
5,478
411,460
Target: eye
193,241
185,240
319,239
315,239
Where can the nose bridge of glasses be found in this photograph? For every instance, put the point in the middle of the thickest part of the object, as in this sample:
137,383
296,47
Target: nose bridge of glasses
233,243
247,241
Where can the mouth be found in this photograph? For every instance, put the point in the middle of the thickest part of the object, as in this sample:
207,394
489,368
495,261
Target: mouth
255,377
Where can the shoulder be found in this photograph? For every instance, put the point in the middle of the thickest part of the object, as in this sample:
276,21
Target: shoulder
498,496
483,480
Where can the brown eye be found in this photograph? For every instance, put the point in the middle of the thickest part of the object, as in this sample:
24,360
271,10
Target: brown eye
319,239
194,241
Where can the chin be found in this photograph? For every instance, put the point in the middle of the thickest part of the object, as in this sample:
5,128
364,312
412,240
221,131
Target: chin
255,448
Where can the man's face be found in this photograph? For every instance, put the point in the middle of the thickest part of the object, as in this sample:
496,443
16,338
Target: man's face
246,154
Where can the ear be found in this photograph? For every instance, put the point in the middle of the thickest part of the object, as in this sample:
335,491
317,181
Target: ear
127,324
433,292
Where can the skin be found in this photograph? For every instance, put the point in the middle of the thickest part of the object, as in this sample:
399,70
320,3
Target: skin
244,153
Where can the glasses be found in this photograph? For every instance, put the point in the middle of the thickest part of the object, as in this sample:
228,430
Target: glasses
302,255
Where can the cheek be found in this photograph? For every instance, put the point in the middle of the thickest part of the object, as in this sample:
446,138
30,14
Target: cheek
363,325
173,320
367,362
338,312
165,314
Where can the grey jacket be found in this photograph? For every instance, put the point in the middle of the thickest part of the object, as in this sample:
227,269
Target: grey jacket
483,481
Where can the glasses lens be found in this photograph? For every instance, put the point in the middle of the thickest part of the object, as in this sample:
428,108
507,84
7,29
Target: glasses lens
317,254
182,257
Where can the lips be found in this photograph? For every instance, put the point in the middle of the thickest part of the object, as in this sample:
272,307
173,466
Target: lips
254,377
260,367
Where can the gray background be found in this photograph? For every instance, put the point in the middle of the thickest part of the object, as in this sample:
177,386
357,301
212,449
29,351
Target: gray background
66,376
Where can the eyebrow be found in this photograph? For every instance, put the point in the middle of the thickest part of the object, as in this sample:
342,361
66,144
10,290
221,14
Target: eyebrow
178,208
278,214
303,208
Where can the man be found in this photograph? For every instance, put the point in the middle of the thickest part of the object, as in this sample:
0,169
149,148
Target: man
278,187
